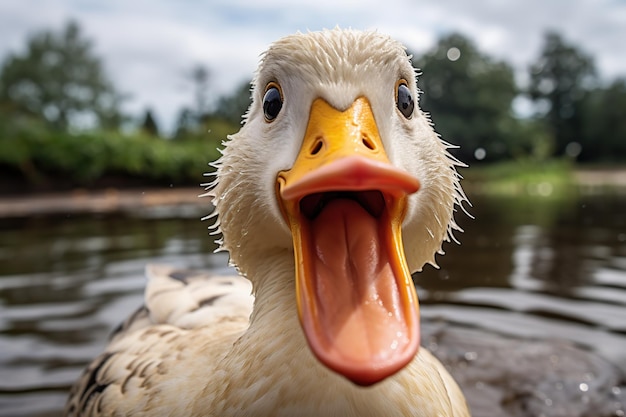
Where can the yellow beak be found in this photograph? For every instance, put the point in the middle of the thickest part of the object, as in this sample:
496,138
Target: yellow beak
344,203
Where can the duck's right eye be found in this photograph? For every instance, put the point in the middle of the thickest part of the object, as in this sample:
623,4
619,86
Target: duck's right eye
272,102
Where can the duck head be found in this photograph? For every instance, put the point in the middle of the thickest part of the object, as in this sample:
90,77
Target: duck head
337,168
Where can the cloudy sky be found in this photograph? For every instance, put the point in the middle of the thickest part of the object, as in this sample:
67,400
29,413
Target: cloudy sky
148,46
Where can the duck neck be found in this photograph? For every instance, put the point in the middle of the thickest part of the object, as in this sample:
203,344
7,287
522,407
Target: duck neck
274,291
271,370
274,335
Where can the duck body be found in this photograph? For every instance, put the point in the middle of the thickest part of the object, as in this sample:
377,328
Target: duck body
253,345
156,359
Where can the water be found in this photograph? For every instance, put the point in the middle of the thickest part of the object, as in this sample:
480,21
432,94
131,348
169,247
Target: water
529,274
557,268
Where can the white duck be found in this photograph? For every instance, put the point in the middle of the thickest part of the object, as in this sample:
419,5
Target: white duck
331,193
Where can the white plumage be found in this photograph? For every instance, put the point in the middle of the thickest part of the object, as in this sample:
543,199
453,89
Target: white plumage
200,348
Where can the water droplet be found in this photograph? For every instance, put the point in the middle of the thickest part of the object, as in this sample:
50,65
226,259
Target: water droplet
471,356
573,149
583,387
453,54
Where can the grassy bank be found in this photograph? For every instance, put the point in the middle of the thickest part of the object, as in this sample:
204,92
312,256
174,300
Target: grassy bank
541,179
48,160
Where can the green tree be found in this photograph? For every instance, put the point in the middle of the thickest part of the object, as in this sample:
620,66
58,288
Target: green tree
469,97
149,124
231,107
59,79
604,133
560,80
190,118
200,77
225,119
186,123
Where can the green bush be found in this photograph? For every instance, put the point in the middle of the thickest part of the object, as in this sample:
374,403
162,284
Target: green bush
28,148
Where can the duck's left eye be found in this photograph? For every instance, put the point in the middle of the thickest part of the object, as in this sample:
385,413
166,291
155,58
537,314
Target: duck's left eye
272,102
404,100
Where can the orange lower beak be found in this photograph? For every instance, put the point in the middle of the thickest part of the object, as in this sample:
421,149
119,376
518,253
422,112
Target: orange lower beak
345,204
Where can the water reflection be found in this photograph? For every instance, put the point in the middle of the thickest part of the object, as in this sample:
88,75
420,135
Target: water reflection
558,267
536,269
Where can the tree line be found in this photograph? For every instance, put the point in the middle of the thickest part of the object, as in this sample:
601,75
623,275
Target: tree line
575,115
60,114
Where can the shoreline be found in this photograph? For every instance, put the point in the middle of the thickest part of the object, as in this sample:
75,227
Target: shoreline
110,200
113,200
601,177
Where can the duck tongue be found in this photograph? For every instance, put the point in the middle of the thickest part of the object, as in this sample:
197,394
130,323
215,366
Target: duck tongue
356,321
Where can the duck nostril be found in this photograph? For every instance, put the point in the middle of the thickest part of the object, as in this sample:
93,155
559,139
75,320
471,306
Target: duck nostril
317,147
368,143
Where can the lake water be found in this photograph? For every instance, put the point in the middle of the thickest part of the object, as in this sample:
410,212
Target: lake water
540,270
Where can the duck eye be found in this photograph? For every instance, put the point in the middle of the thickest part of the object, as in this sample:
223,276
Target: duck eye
272,102
404,100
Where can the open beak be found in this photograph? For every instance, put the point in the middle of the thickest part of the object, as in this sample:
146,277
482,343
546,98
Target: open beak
345,203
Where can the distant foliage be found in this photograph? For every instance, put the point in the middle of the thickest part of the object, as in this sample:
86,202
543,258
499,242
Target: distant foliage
149,124
42,156
60,115
59,80
232,107
468,96
603,137
561,80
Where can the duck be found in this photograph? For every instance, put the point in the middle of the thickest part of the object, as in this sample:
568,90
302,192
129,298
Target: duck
333,192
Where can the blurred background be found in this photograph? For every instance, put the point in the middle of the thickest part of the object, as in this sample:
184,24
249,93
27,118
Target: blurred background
111,111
